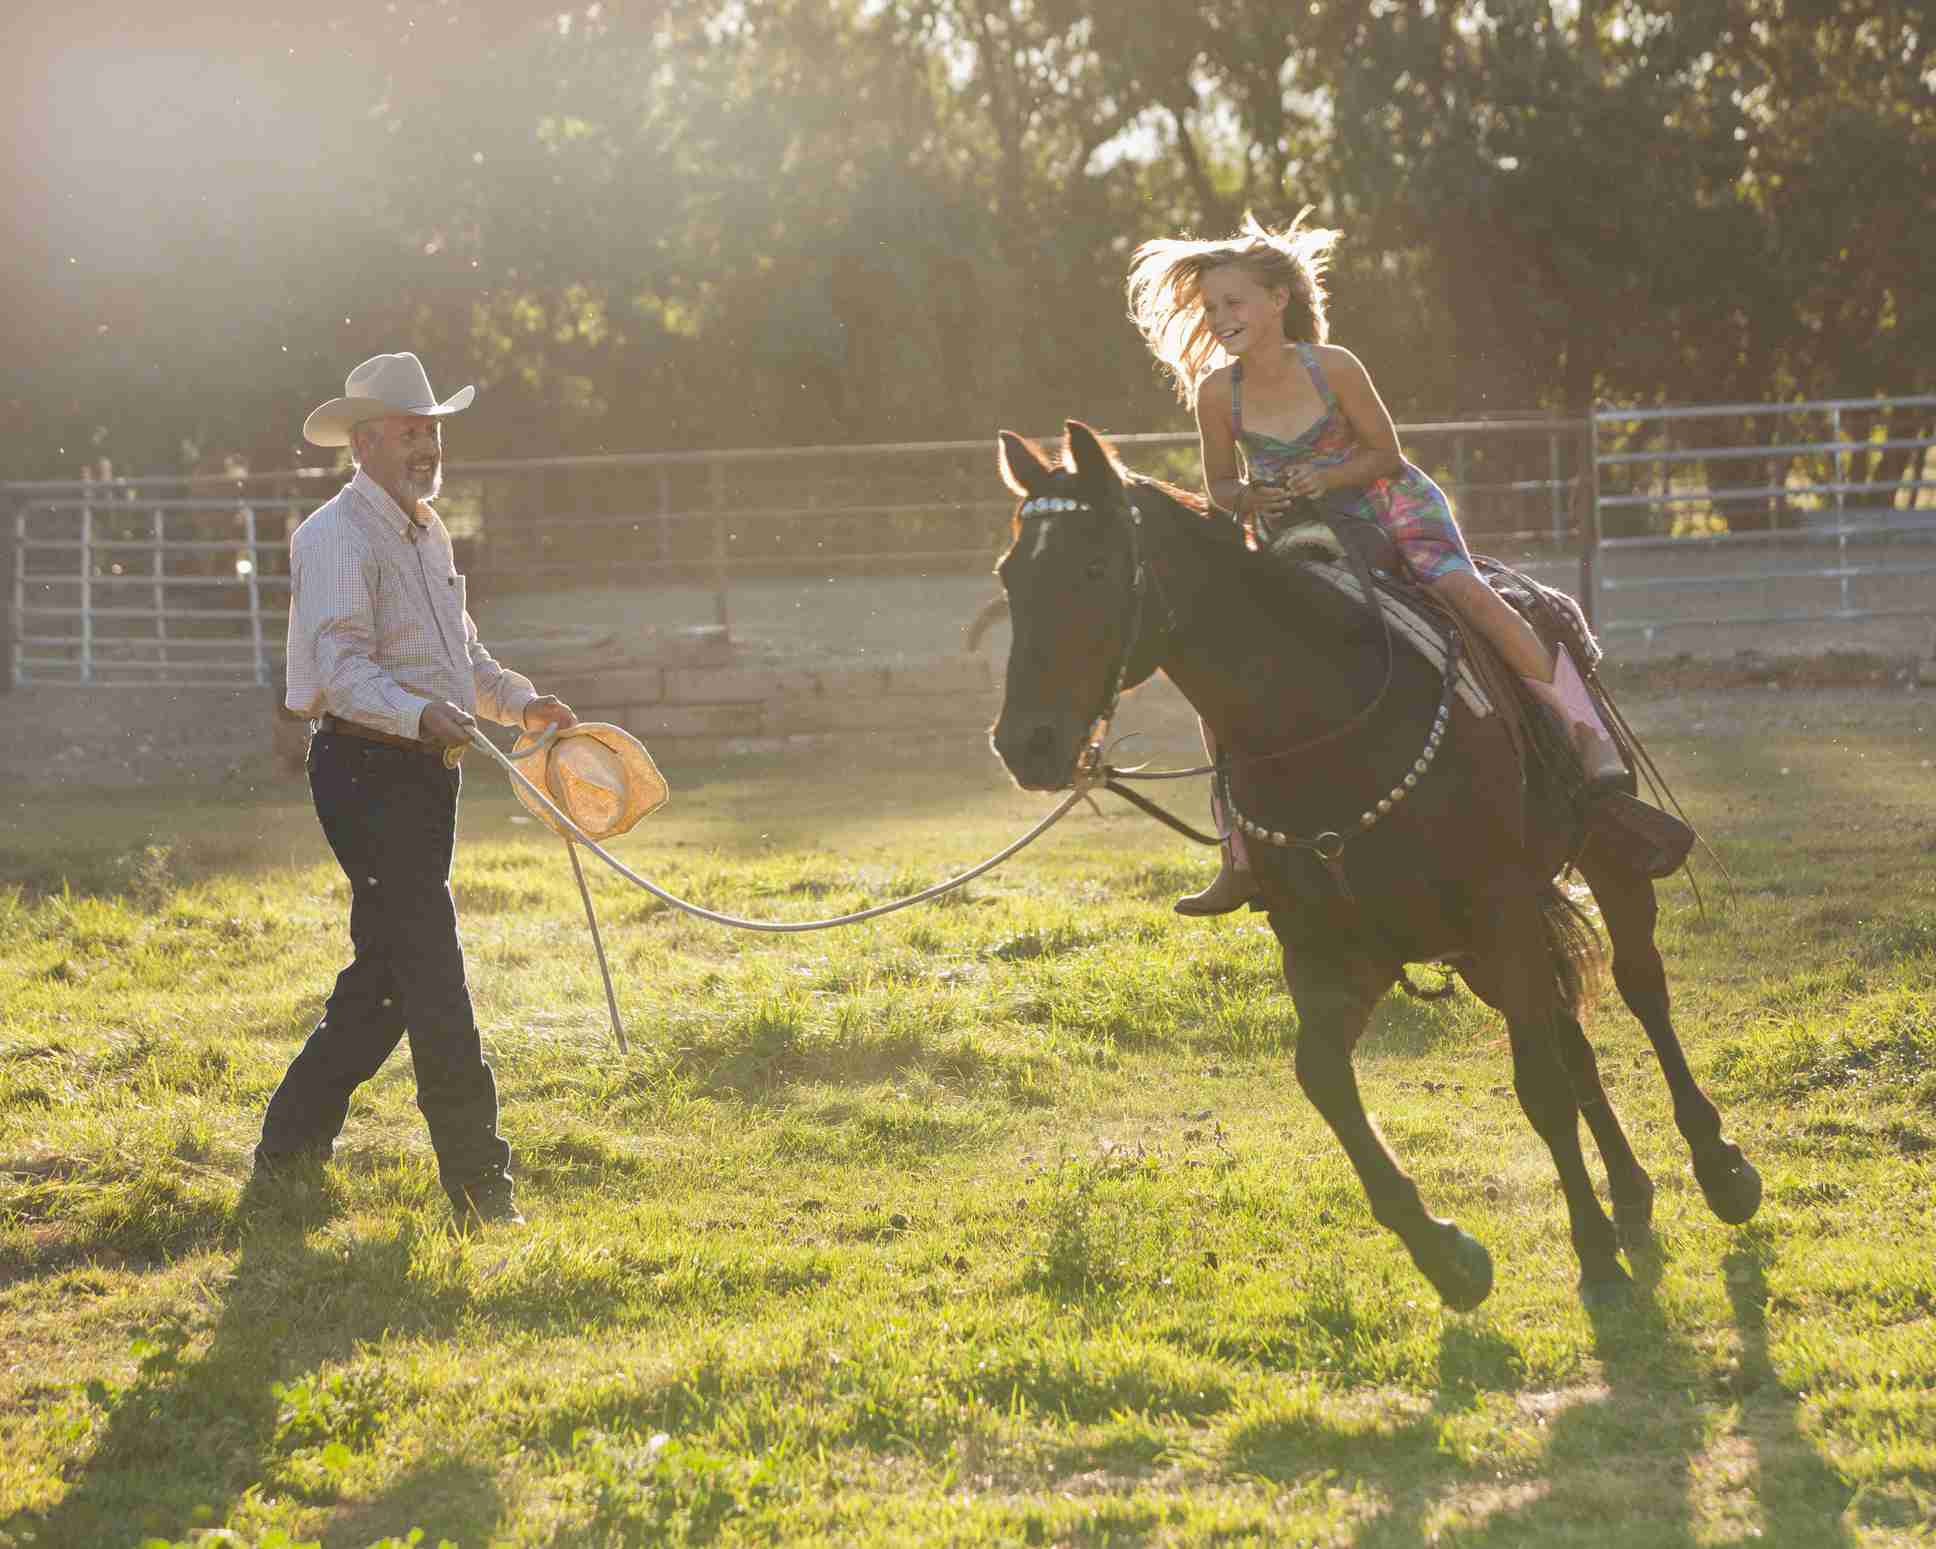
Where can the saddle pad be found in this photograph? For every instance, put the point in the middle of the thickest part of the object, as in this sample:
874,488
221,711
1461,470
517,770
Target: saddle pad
1410,625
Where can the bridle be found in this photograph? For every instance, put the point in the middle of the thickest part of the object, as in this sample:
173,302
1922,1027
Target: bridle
1142,581
1092,766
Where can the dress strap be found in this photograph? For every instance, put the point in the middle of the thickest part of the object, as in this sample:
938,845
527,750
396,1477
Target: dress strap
1237,400
1309,355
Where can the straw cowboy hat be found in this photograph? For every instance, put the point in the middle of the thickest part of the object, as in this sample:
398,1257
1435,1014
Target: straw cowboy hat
597,774
381,386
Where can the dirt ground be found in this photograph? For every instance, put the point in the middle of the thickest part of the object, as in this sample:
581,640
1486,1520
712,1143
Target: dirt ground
889,620
119,738
123,736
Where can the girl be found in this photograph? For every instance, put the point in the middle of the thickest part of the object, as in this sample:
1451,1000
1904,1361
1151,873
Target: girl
1281,414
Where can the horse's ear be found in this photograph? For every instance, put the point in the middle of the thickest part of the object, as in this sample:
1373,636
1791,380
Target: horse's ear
1023,469
1094,462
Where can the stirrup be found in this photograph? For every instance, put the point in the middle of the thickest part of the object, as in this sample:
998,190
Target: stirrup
1656,842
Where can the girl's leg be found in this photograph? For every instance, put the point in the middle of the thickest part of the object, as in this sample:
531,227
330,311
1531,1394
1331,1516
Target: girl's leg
1553,678
1234,885
1508,634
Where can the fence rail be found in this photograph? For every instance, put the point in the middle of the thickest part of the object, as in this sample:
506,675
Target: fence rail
1664,486
208,557
1662,518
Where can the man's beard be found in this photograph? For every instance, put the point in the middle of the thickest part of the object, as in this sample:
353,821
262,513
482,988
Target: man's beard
418,486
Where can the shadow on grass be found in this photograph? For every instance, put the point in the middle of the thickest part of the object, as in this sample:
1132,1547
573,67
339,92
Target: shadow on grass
1400,1456
1642,1461
774,1061
449,1498
1803,1498
1650,1460
179,1446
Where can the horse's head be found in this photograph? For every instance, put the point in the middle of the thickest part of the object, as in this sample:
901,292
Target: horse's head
1074,594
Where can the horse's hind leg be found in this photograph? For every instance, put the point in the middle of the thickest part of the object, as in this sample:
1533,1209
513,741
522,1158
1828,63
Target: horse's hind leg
1729,1182
1529,998
1627,1180
1334,1002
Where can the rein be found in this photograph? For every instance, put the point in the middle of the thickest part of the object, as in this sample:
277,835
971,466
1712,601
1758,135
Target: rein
1356,721
1092,768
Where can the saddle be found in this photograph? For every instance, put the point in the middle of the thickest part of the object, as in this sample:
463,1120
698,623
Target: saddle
1659,840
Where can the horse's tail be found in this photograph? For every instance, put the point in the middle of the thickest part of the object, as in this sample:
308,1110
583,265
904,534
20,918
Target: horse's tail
1579,957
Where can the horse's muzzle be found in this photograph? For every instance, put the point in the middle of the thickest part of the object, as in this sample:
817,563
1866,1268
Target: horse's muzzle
1040,747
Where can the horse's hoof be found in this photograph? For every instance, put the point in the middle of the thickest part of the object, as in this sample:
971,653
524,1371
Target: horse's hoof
1462,1273
1731,1185
1612,1289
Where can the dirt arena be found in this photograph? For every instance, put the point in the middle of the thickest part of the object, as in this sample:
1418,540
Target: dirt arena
1861,673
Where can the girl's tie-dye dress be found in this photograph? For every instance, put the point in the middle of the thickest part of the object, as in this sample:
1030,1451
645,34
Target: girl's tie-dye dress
1413,511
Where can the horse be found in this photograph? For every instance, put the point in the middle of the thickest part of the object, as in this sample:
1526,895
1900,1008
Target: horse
1391,823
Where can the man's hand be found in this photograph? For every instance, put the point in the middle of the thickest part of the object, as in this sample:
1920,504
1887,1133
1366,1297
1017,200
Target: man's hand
548,710
446,725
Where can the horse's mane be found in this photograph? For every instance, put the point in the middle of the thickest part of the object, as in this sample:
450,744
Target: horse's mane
1281,567
1286,569
1193,501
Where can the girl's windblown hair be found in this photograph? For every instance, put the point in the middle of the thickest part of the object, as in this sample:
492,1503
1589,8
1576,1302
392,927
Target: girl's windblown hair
1166,291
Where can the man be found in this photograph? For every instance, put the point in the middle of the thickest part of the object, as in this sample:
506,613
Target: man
384,659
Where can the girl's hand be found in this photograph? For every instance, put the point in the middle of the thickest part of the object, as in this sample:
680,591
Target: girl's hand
1261,499
1303,483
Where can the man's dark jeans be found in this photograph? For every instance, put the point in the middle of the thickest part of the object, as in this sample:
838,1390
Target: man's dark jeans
390,815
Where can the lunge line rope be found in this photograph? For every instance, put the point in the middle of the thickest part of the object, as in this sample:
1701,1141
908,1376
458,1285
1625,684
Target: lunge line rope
575,836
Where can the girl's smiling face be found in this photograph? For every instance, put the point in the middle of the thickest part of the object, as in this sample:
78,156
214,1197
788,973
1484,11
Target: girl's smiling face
1241,311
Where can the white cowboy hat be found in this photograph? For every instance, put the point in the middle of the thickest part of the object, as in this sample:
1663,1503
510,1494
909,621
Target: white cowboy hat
383,385
597,774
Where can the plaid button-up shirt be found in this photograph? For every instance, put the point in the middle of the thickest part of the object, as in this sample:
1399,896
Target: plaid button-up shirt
377,623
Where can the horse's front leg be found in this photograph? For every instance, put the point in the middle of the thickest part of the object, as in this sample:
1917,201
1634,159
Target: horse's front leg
1334,1002
1627,1180
1629,910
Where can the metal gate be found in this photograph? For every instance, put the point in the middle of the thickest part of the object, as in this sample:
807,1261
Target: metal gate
180,582
1788,515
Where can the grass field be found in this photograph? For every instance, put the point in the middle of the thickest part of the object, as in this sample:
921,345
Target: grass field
999,1221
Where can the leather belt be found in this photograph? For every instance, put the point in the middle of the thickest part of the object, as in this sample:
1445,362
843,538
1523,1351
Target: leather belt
334,723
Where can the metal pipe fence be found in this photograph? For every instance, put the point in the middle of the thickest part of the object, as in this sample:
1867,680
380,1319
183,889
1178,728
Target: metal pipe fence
183,581
143,583
1705,516
1789,515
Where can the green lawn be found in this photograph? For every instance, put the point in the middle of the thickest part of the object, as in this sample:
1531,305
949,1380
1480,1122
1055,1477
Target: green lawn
998,1221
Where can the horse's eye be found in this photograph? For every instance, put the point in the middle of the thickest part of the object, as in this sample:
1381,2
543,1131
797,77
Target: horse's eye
1095,570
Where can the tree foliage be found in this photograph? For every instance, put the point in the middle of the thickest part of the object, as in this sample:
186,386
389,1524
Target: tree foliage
644,224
